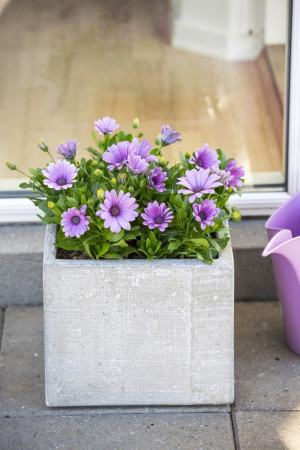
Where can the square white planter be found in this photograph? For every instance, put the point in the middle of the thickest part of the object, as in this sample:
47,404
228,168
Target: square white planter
135,332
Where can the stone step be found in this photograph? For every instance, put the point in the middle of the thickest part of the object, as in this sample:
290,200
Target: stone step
21,251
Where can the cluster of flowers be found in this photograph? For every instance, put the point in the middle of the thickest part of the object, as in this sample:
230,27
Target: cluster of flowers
127,179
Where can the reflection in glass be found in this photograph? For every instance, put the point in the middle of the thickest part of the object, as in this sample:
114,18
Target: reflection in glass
212,70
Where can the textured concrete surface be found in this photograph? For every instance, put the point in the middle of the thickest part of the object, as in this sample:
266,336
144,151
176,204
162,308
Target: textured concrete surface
128,342
22,386
126,432
268,430
267,373
21,264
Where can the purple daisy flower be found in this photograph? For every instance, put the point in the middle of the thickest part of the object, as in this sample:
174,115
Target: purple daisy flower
60,175
68,150
157,216
136,165
236,173
74,221
156,179
224,175
198,182
205,213
143,149
117,155
106,125
169,136
205,158
117,211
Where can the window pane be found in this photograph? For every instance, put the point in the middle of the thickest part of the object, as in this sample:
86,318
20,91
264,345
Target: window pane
215,71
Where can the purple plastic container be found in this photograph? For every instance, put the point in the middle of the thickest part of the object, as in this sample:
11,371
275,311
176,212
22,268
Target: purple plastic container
283,229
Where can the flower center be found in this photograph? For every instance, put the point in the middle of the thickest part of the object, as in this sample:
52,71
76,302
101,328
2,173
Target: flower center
114,210
159,220
202,216
75,220
61,181
199,162
197,190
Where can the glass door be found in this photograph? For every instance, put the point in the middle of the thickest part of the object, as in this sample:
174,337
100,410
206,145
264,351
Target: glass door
214,71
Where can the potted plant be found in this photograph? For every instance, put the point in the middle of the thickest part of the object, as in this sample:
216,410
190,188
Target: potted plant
138,271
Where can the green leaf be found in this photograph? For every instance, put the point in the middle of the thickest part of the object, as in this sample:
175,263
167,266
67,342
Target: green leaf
153,239
120,243
111,255
104,249
174,245
97,142
200,242
72,202
25,185
115,237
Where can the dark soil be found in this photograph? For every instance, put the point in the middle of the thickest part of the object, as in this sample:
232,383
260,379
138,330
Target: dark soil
70,254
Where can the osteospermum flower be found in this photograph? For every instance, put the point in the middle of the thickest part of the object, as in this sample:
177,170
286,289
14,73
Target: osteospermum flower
236,173
117,154
205,213
106,125
60,175
156,179
143,149
169,136
117,211
157,216
68,150
198,182
74,221
136,165
205,158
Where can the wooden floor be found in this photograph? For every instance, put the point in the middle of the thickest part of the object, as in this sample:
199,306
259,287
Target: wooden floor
66,63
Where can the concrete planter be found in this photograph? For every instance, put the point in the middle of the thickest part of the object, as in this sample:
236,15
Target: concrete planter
135,332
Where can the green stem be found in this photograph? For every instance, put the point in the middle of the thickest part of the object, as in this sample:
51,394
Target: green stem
23,173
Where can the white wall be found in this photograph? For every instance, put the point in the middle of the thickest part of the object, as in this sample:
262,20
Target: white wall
276,21
225,29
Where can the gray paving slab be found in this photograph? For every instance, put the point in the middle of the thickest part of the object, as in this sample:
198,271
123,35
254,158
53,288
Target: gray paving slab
268,430
267,373
22,373
21,264
134,431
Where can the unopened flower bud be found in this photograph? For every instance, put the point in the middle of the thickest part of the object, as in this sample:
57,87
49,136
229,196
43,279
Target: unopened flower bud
130,189
11,165
98,173
113,181
162,160
50,205
91,200
158,140
230,189
121,178
42,145
94,163
236,215
100,194
136,123
187,155
101,165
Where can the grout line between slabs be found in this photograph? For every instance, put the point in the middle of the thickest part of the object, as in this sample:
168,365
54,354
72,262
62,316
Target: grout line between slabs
1,326
234,432
96,413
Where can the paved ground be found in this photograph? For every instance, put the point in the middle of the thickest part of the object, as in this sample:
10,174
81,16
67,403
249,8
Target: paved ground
266,413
